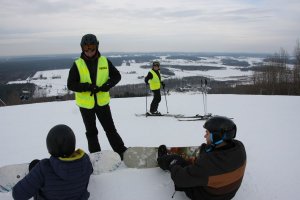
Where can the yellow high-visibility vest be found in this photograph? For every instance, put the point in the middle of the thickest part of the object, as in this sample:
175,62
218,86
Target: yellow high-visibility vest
84,99
155,81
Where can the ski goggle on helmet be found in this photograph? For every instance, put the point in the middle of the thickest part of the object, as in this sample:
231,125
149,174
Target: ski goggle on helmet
89,47
156,63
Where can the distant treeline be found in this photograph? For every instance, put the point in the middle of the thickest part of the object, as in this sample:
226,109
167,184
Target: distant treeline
13,94
12,69
165,71
233,62
275,77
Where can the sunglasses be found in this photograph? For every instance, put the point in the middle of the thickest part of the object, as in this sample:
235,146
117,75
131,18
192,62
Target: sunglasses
89,47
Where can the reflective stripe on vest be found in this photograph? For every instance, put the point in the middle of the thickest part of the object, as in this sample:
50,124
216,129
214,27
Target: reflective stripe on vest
155,81
84,99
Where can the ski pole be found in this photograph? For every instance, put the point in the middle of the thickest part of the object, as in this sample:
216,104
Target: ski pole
205,96
166,100
146,98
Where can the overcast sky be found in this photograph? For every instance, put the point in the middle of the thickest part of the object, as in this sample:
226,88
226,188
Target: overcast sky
56,26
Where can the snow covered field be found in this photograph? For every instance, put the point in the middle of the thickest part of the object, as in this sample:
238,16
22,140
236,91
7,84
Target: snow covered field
267,125
54,82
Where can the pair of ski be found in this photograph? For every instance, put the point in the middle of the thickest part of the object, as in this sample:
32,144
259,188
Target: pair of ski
195,117
148,114
179,117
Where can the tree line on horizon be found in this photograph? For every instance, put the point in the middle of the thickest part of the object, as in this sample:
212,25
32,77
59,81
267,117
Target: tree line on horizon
277,76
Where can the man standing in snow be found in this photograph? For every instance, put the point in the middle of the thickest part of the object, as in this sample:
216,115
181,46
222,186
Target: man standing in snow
219,169
91,77
154,80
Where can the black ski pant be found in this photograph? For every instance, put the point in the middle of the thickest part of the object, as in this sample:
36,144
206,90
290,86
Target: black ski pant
156,100
104,116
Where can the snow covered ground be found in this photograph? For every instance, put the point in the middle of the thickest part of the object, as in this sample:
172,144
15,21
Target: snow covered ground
54,82
267,125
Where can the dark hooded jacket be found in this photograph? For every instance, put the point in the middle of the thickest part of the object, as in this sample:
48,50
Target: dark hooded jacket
57,178
216,175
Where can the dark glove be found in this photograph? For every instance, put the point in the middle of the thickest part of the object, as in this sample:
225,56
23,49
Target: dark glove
104,88
94,89
166,162
86,87
33,163
163,85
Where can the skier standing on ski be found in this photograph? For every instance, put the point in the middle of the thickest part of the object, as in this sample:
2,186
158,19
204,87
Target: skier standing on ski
91,77
217,172
154,80
65,175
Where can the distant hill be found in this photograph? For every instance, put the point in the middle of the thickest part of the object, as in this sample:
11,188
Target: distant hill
14,68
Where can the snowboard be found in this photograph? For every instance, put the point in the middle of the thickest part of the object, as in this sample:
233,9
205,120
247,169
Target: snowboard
103,161
146,157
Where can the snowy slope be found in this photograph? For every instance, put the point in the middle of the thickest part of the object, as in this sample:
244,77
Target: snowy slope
268,126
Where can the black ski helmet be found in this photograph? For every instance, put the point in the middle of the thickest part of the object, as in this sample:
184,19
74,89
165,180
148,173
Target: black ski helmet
220,128
156,63
61,141
89,39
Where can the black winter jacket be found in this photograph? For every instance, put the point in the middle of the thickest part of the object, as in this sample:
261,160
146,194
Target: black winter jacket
216,175
57,179
74,77
150,76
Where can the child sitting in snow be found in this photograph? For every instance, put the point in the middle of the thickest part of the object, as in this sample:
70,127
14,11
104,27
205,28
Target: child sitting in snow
65,175
219,169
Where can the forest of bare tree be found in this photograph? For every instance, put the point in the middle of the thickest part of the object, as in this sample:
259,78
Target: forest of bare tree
278,77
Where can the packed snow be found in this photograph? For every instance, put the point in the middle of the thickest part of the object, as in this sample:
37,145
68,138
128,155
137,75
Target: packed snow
267,125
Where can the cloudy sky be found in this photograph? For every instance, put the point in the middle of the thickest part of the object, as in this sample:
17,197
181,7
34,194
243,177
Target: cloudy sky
30,27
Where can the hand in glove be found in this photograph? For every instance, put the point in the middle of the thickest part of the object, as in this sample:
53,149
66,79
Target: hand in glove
168,161
163,85
104,88
93,89
86,87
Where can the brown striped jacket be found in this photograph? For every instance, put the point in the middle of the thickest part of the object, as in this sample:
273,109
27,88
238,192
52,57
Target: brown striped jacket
215,175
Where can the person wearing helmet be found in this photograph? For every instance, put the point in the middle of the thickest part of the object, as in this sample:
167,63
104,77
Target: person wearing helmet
91,77
65,175
153,79
219,168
